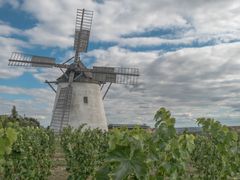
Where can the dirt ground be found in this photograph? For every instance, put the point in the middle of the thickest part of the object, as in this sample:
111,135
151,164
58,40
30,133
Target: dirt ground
58,171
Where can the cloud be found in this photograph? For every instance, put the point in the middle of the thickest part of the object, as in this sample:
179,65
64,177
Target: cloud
116,56
56,21
200,40
7,46
47,74
50,38
114,19
194,81
153,41
39,103
13,3
7,30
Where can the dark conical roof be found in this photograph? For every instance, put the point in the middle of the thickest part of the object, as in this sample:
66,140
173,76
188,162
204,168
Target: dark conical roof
79,75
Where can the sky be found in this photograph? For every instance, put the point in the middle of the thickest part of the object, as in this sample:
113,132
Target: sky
188,54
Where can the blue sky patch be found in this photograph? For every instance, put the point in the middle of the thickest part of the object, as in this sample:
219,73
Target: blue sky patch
15,96
100,45
17,18
167,33
26,80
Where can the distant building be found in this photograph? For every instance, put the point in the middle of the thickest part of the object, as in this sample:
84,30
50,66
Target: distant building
189,129
236,128
129,126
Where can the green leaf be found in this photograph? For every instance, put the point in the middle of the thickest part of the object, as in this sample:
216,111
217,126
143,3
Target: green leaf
11,134
102,173
2,146
122,170
127,164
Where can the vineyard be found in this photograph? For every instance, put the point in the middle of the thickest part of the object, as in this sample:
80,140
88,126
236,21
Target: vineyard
162,153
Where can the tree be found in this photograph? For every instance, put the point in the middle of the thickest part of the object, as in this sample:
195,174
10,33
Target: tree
22,121
14,112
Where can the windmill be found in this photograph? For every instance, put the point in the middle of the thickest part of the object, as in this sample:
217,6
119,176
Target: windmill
78,95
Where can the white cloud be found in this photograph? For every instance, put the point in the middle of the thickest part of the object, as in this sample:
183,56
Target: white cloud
38,105
48,74
7,46
112,19
56,21
49,38
179,42
116,56
202,21
6,30
153,41
194,81
13,3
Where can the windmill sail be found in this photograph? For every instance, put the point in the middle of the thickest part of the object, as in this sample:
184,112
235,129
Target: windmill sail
82,29
115,75
26,60
20,59
39,61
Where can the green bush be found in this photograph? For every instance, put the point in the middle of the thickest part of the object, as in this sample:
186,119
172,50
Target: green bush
8,135
84,150
217,153
140,154
30,157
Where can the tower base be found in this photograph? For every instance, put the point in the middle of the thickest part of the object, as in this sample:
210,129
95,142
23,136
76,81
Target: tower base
76,104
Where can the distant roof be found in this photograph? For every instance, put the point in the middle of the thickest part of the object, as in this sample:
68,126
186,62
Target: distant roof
189,129
129,126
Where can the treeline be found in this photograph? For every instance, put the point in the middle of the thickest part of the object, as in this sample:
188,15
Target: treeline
24,121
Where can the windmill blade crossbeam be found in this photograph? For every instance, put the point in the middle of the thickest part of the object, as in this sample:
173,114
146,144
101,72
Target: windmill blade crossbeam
87,12
115,75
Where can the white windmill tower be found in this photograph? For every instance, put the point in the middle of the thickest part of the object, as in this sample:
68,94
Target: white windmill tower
78,96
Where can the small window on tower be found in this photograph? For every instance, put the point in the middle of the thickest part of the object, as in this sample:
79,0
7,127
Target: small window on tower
85,99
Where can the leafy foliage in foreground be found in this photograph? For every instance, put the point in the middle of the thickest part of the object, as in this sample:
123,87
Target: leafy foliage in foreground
217,153
139,154
27,154
146,155
84,150
8,135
